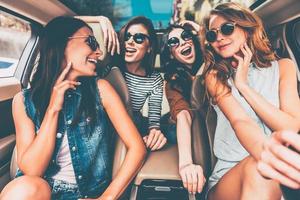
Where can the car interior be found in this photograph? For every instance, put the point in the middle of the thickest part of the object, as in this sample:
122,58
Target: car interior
158,178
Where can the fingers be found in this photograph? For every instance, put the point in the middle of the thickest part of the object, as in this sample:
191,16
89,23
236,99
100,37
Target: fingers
63,74
247,53
110,40
145,138
184,179
118,44
287,155
280,166
269,172
162,140
192,178
155,140
114,45
194,25
152,138
189,182
110,36
194,182
289,137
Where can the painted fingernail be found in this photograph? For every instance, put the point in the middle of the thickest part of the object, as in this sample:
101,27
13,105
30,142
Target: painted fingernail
78,83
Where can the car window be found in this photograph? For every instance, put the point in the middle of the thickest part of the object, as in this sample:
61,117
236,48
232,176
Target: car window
14,34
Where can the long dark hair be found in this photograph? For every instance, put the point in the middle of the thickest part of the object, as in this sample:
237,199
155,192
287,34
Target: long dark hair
52,53
176,73
149,59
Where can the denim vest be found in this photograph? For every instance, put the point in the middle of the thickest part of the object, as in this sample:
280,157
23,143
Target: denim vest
89,147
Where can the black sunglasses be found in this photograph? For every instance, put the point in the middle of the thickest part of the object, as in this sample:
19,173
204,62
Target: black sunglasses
174,41
226,29
90,40
138,38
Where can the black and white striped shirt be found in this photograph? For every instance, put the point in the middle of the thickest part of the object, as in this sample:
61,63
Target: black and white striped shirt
142,87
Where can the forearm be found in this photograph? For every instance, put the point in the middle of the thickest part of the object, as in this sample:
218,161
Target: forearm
250,136
272,116
183,131
90,19
131,165
35,159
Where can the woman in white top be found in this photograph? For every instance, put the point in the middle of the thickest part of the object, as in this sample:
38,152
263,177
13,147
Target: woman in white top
253,94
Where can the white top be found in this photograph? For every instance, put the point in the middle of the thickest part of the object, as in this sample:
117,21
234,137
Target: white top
66,172
264,81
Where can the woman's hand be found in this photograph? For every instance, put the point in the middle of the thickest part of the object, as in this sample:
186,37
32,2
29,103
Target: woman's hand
155,140
192,24
59,89
242,66
110,36
279,162
192,177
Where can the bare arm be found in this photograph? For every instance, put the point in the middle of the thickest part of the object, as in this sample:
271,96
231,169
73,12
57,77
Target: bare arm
248,132
35,150
110,36
287,117
129,135
183,129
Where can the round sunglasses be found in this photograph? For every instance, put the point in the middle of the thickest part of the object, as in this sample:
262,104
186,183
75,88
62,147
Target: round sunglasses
90,40
174,41
138,38
226,29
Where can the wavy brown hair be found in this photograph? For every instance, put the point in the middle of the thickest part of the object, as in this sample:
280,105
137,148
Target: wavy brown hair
256,39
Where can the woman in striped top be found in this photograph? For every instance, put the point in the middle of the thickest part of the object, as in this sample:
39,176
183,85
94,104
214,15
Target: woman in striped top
138,47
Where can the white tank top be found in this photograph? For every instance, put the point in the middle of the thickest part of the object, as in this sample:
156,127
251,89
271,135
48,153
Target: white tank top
66,172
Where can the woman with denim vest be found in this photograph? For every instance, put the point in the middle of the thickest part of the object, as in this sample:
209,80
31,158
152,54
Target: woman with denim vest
62,123
253,93
181,58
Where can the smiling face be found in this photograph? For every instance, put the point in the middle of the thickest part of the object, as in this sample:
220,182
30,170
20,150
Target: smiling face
134,52
226,45
184,52
79,52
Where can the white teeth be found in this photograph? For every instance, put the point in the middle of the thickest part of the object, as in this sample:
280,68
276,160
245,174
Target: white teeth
92,60
128,49
185,49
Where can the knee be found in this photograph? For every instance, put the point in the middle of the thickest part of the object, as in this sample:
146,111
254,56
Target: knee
253,178
250,172
26,187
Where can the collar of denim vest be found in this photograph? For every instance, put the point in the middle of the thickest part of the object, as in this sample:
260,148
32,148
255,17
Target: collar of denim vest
76,92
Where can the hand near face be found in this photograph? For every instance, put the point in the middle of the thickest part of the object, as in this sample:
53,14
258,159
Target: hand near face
242,65
280,162
192,177
110,36
193,24
155,140
59,89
